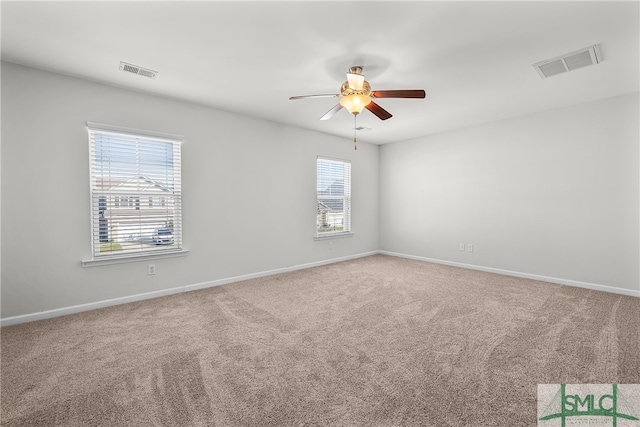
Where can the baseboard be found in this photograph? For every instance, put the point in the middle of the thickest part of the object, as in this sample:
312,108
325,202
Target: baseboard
64,311
586,285
155,294
276,271
48,314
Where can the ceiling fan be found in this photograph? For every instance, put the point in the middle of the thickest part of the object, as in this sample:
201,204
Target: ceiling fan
356,95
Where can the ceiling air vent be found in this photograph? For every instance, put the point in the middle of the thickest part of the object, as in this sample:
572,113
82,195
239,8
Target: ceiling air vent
568,62
145,72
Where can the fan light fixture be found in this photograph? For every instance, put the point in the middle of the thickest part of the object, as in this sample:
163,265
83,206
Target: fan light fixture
355,95
355,103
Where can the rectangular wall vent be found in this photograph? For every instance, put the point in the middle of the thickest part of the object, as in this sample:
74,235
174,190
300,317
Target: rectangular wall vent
130,68
568,62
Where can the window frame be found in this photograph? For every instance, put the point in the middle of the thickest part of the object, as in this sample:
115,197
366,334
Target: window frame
147,137
347,198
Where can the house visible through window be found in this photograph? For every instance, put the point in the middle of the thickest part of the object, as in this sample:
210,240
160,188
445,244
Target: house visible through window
333,196
135,192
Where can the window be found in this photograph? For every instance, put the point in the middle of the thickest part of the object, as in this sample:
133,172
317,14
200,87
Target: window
333,196
129,167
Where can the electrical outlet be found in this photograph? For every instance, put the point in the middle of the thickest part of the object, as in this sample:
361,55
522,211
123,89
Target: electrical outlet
461,247
469,247
151,269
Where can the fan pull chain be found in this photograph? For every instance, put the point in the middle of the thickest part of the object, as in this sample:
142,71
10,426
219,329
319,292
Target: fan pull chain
355,125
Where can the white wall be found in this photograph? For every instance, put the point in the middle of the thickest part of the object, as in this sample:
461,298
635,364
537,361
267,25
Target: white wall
234,168
553,194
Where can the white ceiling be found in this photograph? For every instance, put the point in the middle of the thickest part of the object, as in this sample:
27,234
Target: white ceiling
473,58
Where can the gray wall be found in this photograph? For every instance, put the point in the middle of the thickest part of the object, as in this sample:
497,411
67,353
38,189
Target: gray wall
248,193
553,194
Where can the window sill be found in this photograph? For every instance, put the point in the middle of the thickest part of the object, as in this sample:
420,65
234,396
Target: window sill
132,258
333,235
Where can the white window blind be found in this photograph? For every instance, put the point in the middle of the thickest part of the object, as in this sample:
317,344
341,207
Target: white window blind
333,196
135,192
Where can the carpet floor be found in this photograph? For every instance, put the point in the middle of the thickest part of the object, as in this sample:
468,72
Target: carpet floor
375,341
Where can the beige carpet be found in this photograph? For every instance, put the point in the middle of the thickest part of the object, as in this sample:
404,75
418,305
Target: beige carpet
377,341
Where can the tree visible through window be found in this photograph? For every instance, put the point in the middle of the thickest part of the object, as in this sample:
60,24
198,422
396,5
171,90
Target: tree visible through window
135,192
333,196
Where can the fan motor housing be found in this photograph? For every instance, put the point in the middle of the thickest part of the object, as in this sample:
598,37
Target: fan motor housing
346,90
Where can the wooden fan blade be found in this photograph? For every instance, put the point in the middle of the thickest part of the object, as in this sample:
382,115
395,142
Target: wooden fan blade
331,112
328,95
378,111
416,93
